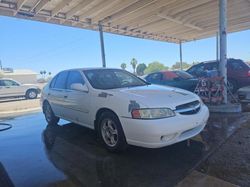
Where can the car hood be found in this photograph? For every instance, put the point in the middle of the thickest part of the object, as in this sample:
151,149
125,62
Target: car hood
244,89
157,96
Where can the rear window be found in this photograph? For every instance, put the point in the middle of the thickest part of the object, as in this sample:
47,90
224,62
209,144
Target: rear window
61,80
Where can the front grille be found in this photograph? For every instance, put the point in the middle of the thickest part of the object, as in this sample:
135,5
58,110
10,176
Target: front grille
189,108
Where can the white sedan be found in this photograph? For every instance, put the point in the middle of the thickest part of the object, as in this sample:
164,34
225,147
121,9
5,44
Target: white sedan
123,108
10,88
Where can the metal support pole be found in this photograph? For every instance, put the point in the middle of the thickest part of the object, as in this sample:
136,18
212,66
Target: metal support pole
223,43
217,46
102,46
180,44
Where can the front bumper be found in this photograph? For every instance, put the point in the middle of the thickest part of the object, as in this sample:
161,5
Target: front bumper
162,132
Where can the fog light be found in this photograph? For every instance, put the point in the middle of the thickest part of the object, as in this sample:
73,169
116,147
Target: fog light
169,137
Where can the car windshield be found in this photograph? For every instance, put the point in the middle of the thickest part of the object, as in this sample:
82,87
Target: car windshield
183,74
112,78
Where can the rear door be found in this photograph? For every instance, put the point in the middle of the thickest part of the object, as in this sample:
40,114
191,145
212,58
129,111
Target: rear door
57,94
77,102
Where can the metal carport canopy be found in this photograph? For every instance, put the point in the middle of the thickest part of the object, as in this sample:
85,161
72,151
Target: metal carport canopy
163,20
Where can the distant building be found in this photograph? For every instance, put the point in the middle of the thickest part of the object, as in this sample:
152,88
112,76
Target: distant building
24,76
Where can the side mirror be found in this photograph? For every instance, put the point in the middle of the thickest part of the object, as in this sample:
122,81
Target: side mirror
79,87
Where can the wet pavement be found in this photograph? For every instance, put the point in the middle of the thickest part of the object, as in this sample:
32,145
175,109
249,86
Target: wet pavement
33,154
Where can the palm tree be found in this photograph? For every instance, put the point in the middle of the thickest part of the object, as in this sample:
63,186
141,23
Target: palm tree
133,63
123,66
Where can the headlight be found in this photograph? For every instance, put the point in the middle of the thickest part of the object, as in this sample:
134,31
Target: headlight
152,113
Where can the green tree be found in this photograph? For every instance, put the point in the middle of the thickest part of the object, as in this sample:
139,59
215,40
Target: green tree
133,64
177,66
140,69
154,67
123,66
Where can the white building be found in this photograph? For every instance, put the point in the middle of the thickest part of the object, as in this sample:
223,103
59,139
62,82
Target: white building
24,76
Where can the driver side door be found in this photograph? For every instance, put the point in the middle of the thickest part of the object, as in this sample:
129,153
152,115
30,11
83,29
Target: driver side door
77,102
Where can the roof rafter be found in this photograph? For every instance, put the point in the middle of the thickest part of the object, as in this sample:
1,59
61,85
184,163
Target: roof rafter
104,5
19,5
170,18
80,7
128,10
58,8
40,5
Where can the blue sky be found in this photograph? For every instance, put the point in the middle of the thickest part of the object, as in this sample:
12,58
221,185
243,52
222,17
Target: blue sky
41,46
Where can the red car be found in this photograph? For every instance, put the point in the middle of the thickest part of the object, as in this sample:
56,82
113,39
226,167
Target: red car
238,72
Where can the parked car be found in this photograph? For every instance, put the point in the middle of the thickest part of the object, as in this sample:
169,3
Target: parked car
179,79
238,72
10,88
244,96
123,108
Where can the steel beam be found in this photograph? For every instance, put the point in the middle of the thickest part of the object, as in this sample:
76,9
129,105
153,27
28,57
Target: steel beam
102,46
180,45
223,43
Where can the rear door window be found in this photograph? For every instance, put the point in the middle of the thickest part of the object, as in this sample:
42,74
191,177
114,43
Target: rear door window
236,66
155,77
74,77
61,80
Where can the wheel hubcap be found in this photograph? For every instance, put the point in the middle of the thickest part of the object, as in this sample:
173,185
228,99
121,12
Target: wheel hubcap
109,132
32,94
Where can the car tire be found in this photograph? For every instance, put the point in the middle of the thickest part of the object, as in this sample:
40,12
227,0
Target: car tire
111,133
31,94
49,114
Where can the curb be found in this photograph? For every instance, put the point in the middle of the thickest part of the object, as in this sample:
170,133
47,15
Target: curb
14,113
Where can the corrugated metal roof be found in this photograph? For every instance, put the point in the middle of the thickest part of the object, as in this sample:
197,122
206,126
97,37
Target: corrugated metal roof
164,20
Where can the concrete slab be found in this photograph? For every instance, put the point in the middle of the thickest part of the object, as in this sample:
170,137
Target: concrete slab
197,179
36,154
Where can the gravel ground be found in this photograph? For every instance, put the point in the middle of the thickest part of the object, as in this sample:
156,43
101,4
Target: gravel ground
232,161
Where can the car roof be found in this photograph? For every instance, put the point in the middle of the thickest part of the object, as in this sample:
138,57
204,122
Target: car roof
214,61
94,68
